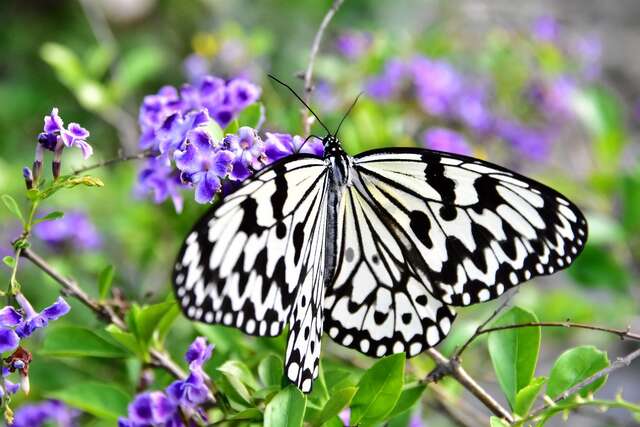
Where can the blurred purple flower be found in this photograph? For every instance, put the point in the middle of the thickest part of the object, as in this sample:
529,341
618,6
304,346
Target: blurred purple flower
195,67
157,177
438,85
545,28
74,229
198,353
9,339
10,387
388,84
531,142
472,108
353,44
280,145
443,139
32,320
151,408
50,412
241,93
554,99
344,415
588,49
203,165
416,420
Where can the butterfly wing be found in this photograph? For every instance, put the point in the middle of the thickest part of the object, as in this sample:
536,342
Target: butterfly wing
472,229
242,263
376,303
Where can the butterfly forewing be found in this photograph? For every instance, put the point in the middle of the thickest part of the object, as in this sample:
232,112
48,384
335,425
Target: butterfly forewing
474,229
242,263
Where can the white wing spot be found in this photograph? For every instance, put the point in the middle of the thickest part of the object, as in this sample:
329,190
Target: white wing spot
364,345
382,349
398,347
513,278
433,336
208,317
484,295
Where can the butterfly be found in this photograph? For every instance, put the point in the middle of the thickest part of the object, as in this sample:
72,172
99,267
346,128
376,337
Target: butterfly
375,249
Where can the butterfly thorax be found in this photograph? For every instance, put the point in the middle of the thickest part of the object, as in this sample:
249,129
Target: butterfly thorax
339,160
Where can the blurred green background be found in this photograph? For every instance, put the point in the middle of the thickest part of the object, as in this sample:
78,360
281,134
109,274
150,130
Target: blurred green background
564,72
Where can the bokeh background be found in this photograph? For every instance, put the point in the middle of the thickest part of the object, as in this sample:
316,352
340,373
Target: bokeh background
551,89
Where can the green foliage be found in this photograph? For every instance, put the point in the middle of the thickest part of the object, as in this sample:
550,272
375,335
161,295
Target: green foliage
99,399
336,403
12,206
576,365
527,396
378,390
105,280
75,341
286,408
514,352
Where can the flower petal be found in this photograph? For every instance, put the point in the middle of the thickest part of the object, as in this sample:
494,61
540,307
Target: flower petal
77,131
87,150
9,316
53,122
9,340
199,352
56,310
207,188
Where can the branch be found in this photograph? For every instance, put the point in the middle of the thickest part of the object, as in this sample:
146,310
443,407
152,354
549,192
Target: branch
138,156
452,367
104,312
620,362
315,47
480,329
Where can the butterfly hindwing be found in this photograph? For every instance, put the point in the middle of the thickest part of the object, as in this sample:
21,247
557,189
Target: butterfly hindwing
376,304
475,229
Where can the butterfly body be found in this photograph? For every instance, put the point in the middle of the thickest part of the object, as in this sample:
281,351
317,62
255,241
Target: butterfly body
374,249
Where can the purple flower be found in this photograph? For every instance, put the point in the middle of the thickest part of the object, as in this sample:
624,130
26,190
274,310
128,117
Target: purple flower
531,142
241,93
189,393
10,387
545,28
280,145
198,353
50,411
390,82
157,177
471,107
54,132
248,152
588,48
416,420
33,320
151,408
74,229
195,67
344,415
174,131
554,98
203,165
443,139
353,44
437,83
9,318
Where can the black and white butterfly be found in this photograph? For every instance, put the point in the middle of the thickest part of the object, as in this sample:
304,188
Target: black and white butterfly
374,249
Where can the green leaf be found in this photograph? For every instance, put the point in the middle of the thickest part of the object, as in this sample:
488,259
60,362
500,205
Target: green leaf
105,279
514,352
527,396
9,261
239,371
147,319
51,216
575,365
75,341
232,127
138,65
630,195
126,339
12,206
498,422
251,414
99,399
408,398
378,390
336,403
252,116
64,62
270,370
286,408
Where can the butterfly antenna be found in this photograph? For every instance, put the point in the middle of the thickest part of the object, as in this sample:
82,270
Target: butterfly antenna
347,113
301,100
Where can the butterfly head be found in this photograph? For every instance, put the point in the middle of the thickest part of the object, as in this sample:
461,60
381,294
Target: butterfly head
331,145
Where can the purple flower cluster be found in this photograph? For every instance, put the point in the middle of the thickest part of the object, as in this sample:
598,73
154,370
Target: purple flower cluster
443,139
178,127
74,230
181,400
15,326
50,412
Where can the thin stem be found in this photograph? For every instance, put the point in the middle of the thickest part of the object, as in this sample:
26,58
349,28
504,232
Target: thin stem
138,156
452,367
480,328
315,47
